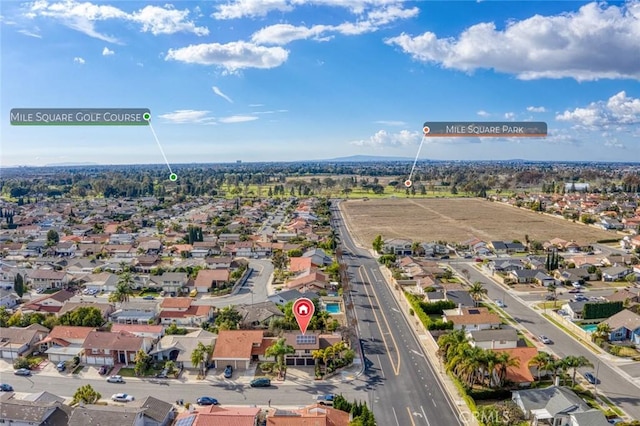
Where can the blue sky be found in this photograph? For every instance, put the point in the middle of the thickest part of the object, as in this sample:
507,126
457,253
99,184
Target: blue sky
286,80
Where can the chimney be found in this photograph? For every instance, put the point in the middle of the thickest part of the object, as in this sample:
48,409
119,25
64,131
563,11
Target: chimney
459,308
557,381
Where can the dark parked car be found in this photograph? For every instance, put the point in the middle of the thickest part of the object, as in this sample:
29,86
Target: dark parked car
207,400
61,366
591,378
103,370
228,372
22,372
261,382
6,388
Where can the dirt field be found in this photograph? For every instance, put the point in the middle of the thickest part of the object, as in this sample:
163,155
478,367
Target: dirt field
457,220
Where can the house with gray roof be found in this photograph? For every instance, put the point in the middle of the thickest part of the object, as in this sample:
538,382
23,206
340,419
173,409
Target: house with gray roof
107,415
502,338
625,325
156,412
259,315
34,413
558,406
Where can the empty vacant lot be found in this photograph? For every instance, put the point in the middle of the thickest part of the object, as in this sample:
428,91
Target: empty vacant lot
456,220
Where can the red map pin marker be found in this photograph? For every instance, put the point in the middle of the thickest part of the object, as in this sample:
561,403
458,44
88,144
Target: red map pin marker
303,310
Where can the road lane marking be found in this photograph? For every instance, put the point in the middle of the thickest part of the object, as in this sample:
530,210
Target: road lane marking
396,367
417,353
384,317
394,415
411,416
425,415
380,364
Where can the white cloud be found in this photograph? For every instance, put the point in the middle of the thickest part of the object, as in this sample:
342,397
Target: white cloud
140,64
238,119
107,52
184,116
483,113
166,20
231,56
618,110
598,41
281,34
509,116
614,143
28,33
259,8
79,60
218,92
271,112
382,139
256,105
83,16
391,122
536,109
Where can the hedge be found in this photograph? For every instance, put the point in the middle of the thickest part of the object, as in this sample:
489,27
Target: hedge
601,310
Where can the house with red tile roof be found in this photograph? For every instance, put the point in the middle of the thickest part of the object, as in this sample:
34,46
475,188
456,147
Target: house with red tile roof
238,348
313,415
50,303
520,373
211,278
214,415
107,348
182,311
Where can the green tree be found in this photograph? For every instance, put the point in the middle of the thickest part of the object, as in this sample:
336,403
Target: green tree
477,291
378,243
52,237
18,285
84,316
123,289
142,361
576,362
4,317
200,357
86,394
228,318
278,350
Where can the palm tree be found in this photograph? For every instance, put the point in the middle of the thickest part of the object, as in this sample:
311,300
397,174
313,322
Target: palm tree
576,362
448,343
541,362
603,330
278,351
505,360
201,355
558,368
123,289
477,291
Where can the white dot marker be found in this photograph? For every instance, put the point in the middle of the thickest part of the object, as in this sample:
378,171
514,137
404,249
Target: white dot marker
407,183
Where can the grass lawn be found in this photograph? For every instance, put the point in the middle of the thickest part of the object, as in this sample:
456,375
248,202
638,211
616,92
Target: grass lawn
628,352
129,372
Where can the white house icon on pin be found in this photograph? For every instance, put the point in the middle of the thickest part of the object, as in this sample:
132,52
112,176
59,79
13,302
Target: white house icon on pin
303,310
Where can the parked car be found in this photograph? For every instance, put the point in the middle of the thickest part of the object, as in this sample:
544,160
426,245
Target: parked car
591,378
122,397
261,382
228,372
207,400
550,297
163,374
500,304
148,298
6,388
544,339
115,379
103,370
61,366
22,372
575,290
324,399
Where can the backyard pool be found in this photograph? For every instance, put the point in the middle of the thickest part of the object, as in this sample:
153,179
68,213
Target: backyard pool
332,308
589,328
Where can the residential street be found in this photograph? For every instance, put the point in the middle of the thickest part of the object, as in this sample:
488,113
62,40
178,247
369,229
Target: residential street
614,386
402,385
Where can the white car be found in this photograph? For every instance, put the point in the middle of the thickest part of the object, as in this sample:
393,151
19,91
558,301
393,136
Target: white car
500,304
115,379
122,397
544,339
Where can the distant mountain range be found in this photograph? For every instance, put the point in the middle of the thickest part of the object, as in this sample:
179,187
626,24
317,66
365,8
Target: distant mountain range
367,159
71,164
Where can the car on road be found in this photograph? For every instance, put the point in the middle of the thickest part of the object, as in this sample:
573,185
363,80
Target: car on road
615,420
324,399
591,378
148,298
22,372
550,297
5,387
61,366
500,304
207,400
115,379
544,339
575,290
228,372
260,382
122,397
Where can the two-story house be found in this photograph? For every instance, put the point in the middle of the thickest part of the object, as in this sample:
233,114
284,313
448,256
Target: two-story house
171,282
17,342
47,278
136,312
107,348
64,343
182,311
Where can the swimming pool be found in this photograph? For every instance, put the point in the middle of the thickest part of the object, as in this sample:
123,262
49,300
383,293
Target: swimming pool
332,308
589,328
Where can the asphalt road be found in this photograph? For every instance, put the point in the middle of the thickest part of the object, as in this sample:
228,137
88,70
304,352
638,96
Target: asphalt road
226,391
617,388
402,386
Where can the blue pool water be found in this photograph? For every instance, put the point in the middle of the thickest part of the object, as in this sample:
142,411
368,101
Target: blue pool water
333,308
589,328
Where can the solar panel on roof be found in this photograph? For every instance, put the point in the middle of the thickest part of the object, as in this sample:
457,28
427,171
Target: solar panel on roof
187,421
306,339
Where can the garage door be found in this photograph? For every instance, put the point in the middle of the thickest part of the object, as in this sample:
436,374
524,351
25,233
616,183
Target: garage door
91,360
54,358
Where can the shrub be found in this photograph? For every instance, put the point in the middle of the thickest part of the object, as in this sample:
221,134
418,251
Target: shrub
21,363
